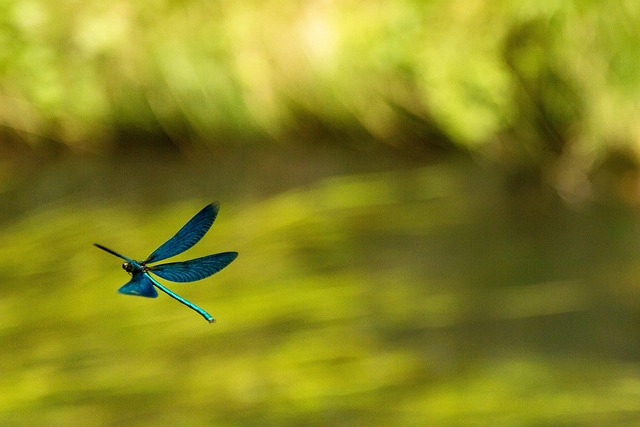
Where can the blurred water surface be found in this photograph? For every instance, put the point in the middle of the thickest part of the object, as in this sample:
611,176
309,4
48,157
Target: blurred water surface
369,290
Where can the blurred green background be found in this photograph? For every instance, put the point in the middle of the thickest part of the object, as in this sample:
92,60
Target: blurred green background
435,205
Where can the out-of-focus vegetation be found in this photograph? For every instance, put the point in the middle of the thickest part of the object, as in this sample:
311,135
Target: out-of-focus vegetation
544,83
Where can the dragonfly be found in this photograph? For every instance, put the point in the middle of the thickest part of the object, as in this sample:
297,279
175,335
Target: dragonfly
143,284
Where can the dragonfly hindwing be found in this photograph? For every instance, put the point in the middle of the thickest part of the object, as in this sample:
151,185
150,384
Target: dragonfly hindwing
139,285
195,269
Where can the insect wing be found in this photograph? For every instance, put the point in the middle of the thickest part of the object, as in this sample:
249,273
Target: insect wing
116,254
195,269
139,285
188,235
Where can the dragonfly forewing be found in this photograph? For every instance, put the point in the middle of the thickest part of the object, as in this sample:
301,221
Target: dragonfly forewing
188,235
112,252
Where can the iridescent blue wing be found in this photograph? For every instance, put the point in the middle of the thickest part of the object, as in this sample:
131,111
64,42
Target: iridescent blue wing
139,285
188,235
195,269
116,254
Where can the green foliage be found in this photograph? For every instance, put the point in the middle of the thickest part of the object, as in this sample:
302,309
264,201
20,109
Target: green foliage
554,79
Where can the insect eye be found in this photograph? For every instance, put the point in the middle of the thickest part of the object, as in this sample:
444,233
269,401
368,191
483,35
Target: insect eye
126,266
